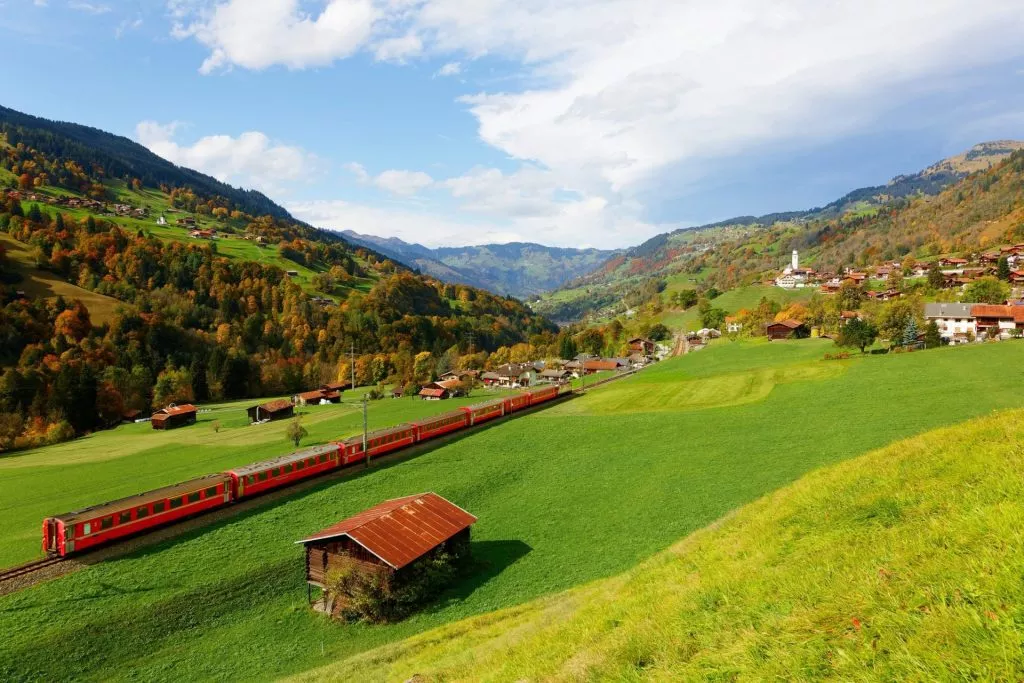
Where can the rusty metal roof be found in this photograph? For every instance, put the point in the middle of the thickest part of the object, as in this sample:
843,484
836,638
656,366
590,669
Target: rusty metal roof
274,406
176,410
401,530
437,393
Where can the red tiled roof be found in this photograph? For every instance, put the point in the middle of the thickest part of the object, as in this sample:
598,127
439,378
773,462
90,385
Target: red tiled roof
306,395
274,406
402,530
436,393
176,410
792,324
600,365
1016,313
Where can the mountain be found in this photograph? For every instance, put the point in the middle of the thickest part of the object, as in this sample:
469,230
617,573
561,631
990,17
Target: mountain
521,269
724,253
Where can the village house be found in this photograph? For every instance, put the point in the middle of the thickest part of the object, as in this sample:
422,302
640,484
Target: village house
516,375
733,324
203,234
553,376
947,262
186,221
385,540
793,276
174,416
956,322
442,389
466,376
995,320
638,360
272,410
317,397
642,345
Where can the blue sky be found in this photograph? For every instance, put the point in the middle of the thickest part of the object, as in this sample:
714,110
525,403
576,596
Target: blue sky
571,123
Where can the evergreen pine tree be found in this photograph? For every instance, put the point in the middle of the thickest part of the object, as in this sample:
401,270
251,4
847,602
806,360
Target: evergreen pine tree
910,333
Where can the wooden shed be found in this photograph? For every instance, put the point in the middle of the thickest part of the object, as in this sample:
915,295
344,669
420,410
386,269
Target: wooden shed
272,410
387,538
784,329
174,416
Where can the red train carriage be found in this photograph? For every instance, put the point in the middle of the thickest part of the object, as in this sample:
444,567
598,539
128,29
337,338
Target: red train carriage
76,531
481,412
517,402
377,443
543,394
440,424
251,480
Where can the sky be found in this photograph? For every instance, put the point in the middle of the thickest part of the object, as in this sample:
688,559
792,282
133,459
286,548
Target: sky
563,122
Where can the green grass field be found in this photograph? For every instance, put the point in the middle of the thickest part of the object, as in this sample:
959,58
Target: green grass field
118,462
581,491
903,564
43,284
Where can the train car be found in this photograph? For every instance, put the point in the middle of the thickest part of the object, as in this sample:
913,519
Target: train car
482,412
251,480
74,532
378,443
538,396
440,424
517,402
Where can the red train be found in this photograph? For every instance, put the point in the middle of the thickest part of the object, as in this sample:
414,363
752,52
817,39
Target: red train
74,532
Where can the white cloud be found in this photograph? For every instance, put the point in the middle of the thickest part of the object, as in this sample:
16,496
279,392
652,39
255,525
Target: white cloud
623,91
358,170
256,34
450,69
87,7
40,3
405,183
251,159
126,26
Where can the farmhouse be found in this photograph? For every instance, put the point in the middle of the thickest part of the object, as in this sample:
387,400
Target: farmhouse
642,345
272,410
784,329
441,389
461,375
386,541
603,364
317,397
733,324
516,374
956,322
953,262
174,416
997,321
554,376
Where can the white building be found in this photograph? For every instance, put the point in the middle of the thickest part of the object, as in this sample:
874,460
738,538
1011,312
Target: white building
955,321
793,276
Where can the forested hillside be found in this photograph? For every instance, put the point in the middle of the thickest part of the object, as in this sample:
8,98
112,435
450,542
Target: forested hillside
271,306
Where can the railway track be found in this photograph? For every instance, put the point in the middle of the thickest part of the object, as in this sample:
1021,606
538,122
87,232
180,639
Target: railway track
28,568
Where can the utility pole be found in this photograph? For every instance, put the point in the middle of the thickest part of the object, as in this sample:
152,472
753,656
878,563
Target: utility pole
366,453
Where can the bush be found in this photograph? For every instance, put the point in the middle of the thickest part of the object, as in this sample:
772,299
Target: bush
411,389
379,597
59,432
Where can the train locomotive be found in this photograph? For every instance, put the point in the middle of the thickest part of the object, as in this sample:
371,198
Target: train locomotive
75,532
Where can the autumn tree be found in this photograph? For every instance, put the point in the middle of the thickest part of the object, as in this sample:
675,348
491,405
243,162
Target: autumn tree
858,334
986,290
295,432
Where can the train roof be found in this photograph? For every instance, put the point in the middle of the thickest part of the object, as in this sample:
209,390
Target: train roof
143,498
485,404
358,438
439,417
294,456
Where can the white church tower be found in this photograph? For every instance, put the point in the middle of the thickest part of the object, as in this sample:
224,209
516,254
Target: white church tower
796,260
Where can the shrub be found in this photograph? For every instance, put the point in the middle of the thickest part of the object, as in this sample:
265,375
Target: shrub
378,597
59,432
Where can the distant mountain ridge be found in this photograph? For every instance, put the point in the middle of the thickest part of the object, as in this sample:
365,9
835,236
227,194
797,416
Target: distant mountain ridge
520,269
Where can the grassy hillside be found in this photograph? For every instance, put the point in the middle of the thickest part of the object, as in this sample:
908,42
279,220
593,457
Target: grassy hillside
42,284
114,463
903,564
579,492
732,301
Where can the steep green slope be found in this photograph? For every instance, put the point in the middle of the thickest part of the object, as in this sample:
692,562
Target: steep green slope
903,564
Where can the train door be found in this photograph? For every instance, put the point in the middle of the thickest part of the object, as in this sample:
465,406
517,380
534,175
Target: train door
50,535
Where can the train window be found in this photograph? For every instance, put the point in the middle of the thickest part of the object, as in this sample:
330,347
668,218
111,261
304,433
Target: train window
107,522
322,458
251,479
125,517
141,512
159,507
311,462
211,492
300,465
175,503
287,469
275,472
193,497
263,476
87,528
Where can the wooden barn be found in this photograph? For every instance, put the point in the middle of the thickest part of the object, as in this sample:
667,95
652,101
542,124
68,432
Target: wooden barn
272,410
174,416
387,538
786,329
